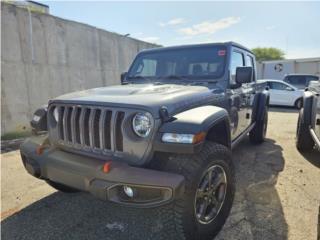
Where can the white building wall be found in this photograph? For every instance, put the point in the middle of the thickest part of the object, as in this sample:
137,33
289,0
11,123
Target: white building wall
278,69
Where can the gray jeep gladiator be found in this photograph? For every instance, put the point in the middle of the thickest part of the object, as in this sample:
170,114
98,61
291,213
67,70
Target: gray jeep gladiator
308,127
161,139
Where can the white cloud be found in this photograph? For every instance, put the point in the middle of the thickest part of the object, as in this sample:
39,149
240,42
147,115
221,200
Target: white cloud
172,22
150,39
209,27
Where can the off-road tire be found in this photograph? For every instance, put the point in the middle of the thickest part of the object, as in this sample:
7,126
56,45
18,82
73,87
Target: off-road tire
258,134
298,103
192,167
304,141
61,187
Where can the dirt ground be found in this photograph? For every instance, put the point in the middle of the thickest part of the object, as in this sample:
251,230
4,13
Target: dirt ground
278,197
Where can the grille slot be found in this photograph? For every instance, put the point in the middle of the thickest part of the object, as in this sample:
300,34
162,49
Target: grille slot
77,125
90,127
119,137
60,125
86,127
96,129
107,130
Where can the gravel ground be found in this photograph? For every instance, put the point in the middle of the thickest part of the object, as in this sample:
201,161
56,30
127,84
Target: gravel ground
278,197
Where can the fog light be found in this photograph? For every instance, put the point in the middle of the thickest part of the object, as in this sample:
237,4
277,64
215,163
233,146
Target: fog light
128,191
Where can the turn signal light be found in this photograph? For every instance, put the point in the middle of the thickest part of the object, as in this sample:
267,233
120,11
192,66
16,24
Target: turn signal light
106,167
39,149
199,137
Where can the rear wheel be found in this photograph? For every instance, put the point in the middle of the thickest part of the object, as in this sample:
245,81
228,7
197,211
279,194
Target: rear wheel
202,209
298,103
258,133
304,141
61,187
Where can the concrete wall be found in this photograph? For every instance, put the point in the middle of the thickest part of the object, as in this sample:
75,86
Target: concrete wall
52,56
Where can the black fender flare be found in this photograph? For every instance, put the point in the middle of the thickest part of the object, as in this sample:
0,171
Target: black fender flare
260,102
192,121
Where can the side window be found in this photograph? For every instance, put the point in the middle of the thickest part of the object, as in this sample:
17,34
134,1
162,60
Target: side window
236,61
278,86
250,63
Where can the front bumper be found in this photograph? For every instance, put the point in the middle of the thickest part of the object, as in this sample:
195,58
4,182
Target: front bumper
153,188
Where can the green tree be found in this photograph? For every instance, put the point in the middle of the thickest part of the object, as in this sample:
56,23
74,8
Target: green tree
265,54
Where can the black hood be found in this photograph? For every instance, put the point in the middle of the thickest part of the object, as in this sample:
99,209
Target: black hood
149,97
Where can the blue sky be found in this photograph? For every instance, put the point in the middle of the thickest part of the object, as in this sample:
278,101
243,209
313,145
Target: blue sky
290,26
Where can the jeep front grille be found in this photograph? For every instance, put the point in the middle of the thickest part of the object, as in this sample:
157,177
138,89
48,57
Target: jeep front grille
97,128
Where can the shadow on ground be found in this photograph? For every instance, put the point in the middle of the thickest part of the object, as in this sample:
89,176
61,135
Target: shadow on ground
257,211
313,158
256,214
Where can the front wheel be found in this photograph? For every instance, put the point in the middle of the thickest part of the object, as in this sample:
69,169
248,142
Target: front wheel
202,209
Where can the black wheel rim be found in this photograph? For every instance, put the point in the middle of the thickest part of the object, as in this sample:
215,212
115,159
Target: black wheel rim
210,194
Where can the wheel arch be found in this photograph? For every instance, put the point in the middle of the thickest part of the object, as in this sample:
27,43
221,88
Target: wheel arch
211,120
220,133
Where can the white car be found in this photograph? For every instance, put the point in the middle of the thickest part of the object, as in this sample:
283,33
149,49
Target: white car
284,94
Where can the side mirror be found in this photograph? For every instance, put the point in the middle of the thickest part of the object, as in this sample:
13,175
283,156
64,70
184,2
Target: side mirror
244,75
123,77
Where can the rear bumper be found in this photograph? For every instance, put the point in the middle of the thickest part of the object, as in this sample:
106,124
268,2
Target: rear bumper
152,187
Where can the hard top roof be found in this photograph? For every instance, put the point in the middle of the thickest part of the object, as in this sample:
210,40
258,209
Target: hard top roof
227,44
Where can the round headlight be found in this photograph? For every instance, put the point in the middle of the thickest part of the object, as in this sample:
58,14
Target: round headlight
142,124
56,114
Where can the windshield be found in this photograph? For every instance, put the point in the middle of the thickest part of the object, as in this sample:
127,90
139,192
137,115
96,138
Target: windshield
195,63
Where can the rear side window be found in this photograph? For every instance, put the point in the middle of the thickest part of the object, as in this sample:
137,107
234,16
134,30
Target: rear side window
236,61
277,86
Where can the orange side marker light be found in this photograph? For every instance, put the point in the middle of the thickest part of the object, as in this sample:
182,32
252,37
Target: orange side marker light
39,149
199,137
106,167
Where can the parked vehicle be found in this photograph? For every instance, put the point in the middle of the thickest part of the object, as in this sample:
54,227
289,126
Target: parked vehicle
283,94
162,139
308,128
300,81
